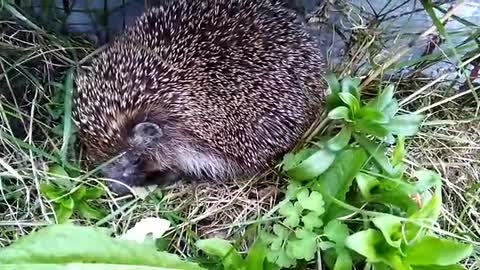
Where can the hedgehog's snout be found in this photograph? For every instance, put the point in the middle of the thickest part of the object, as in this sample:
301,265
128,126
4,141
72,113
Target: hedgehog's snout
125,172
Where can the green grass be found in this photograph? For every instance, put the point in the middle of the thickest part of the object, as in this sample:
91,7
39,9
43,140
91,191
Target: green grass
36,69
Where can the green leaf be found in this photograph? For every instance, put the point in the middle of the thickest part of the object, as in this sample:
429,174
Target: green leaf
371,128
364,243
366,183
231,259
352,102
378,153
89,212
399,152
256,255
58,246
313,166
438,267
63,213
79,193
68,202
291,160
60,177
304,247
340,141
293,189
434,251
384,99
344,261
336,231
313,201
347,165
291,212
338,113
405,125
391,109
94,192
391,228
371,114
311,221
50,191
427,179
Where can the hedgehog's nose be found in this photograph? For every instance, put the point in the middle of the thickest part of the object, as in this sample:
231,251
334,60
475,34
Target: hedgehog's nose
119,188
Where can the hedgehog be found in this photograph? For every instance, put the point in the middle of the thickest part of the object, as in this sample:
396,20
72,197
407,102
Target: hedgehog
211,89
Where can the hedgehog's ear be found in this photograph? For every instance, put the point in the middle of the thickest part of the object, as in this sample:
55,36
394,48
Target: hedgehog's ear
146,132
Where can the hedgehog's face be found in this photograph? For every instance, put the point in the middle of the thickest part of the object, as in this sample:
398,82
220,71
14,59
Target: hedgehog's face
131,168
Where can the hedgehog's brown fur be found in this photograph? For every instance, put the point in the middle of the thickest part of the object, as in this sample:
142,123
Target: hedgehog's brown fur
232,85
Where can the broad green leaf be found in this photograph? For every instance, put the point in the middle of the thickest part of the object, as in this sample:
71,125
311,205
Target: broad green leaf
352,102
291,212
364,243
50,191
79,193
94,192
434,251
378,153
371,128
223,249
256,255
312,220
366,183
60,177
63,213
344,261
67,202
340,141
371,114
391,228
336,181
384,98
332,100
405,125
60,245
291,160
313,201
341,112
391,109
304,247
89,212
313,166
336,231
427,179
398,198
428,214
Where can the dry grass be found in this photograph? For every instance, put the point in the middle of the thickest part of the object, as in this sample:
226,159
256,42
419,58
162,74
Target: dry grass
32,69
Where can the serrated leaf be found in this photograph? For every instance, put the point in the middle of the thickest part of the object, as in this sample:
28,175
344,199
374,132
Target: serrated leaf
391,228
405,125
336,231
291,212
60,245
338,113
340,141
293,189
313,166
223,249
312,220
281,258
304,247
434,251
313,202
